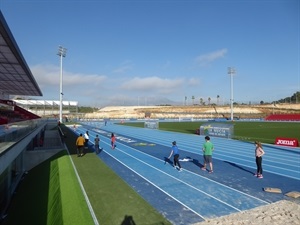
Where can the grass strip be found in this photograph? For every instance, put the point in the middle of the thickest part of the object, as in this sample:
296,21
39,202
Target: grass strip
49,194
265,132
74,208
112,199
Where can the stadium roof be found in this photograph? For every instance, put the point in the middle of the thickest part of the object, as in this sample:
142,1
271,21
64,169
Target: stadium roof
45,103
15,75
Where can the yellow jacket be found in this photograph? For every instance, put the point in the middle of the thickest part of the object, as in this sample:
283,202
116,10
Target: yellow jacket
80,141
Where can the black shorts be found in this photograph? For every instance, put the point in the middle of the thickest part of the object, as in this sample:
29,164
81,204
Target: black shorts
207,158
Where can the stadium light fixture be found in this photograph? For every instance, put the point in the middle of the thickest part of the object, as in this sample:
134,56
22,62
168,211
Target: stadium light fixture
231,72
61,53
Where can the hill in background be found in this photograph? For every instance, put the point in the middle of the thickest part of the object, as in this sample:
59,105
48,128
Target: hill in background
211,111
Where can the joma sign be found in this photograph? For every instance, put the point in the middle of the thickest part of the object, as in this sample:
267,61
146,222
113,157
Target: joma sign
293,142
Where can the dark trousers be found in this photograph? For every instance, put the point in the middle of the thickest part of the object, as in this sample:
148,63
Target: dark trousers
176,160
97,149
86,143
79,150
259,165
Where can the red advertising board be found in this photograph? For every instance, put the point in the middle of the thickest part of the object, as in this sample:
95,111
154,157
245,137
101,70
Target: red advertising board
292,142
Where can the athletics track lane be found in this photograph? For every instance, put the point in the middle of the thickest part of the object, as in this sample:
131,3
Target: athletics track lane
279,160
190,188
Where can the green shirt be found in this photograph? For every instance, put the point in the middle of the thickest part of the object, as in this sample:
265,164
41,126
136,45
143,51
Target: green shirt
208,148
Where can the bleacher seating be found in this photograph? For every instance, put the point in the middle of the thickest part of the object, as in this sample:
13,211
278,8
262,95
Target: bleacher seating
283,117
26,114
3,120
10,112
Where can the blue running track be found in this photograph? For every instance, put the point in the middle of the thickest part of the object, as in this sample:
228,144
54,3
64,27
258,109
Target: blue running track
194,195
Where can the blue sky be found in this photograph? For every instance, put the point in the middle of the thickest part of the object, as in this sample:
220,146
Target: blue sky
142,52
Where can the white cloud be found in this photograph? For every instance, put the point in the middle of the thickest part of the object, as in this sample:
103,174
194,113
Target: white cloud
76,86
206,59
94,89
193,81
49,75
153,84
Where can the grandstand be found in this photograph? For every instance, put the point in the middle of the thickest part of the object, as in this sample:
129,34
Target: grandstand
283,117
11,112
25,137
20,110
49,108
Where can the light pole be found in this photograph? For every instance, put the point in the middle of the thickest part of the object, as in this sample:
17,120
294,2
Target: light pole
231,72
61,53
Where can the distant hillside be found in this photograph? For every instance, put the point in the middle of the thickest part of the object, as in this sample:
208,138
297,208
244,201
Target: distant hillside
241,111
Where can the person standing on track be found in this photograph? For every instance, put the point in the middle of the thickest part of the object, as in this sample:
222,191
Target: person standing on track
207,149
97,142
113,141
175,151
259,152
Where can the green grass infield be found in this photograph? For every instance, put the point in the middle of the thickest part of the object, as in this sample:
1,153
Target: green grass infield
266,132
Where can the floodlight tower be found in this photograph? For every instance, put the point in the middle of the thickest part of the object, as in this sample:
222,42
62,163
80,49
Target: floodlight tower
61,53
231,72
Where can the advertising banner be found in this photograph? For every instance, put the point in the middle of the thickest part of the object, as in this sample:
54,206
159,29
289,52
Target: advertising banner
151,124
217,129
292,142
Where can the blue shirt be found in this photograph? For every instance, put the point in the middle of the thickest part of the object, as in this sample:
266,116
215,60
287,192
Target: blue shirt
175,149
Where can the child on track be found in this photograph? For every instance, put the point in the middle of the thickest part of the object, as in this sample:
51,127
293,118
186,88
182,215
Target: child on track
207,149
113,141
175,151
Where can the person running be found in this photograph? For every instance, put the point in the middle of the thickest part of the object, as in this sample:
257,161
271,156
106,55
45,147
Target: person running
80,145
97,142
207,149
113,141
175,151
259,152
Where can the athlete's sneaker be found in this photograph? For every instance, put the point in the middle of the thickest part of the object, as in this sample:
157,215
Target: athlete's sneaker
260,176
211,171
180,169
255,175
203,168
